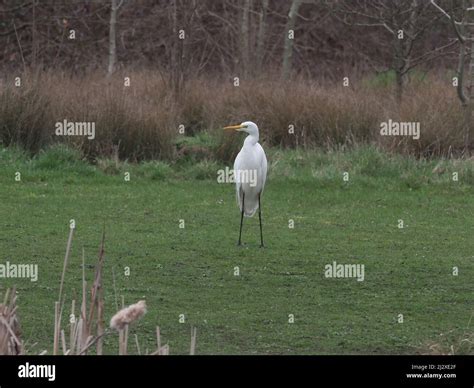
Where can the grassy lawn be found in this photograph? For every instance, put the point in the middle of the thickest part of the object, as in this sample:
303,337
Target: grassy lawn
190,270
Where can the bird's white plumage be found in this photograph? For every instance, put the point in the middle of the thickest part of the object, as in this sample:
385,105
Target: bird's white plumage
251,162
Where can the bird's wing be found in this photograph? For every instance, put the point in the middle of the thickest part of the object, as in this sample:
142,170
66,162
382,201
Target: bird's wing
238,185
263,167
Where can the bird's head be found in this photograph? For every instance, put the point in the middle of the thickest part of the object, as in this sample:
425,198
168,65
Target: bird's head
247,126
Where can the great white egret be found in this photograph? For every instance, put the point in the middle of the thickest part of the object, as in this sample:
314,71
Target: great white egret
250,174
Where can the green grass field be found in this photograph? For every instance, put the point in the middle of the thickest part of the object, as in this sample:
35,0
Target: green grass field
190,270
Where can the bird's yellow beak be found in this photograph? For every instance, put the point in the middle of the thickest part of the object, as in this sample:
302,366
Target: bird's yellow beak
235,127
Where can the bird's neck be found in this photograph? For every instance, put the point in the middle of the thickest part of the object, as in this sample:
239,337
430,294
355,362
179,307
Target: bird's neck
251,140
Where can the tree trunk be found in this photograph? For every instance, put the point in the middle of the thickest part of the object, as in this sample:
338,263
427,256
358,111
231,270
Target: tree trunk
400,68
470,102
463,86
112,38
261,36
288,50
34,38
245,36
398,86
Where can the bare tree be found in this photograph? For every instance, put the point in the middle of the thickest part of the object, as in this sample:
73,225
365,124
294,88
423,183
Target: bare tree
113,36
261,35
464,32
245,38
404,22
289,37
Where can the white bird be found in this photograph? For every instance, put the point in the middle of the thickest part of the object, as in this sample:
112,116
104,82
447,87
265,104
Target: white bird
250,174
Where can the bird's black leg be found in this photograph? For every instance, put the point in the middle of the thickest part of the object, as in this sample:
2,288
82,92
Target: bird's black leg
260,219
241,220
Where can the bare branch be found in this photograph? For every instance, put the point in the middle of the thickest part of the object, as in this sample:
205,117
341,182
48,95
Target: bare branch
444,12
376,25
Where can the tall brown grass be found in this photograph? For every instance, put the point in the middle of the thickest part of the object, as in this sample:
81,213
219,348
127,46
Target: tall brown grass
10,332
86,327
142,121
